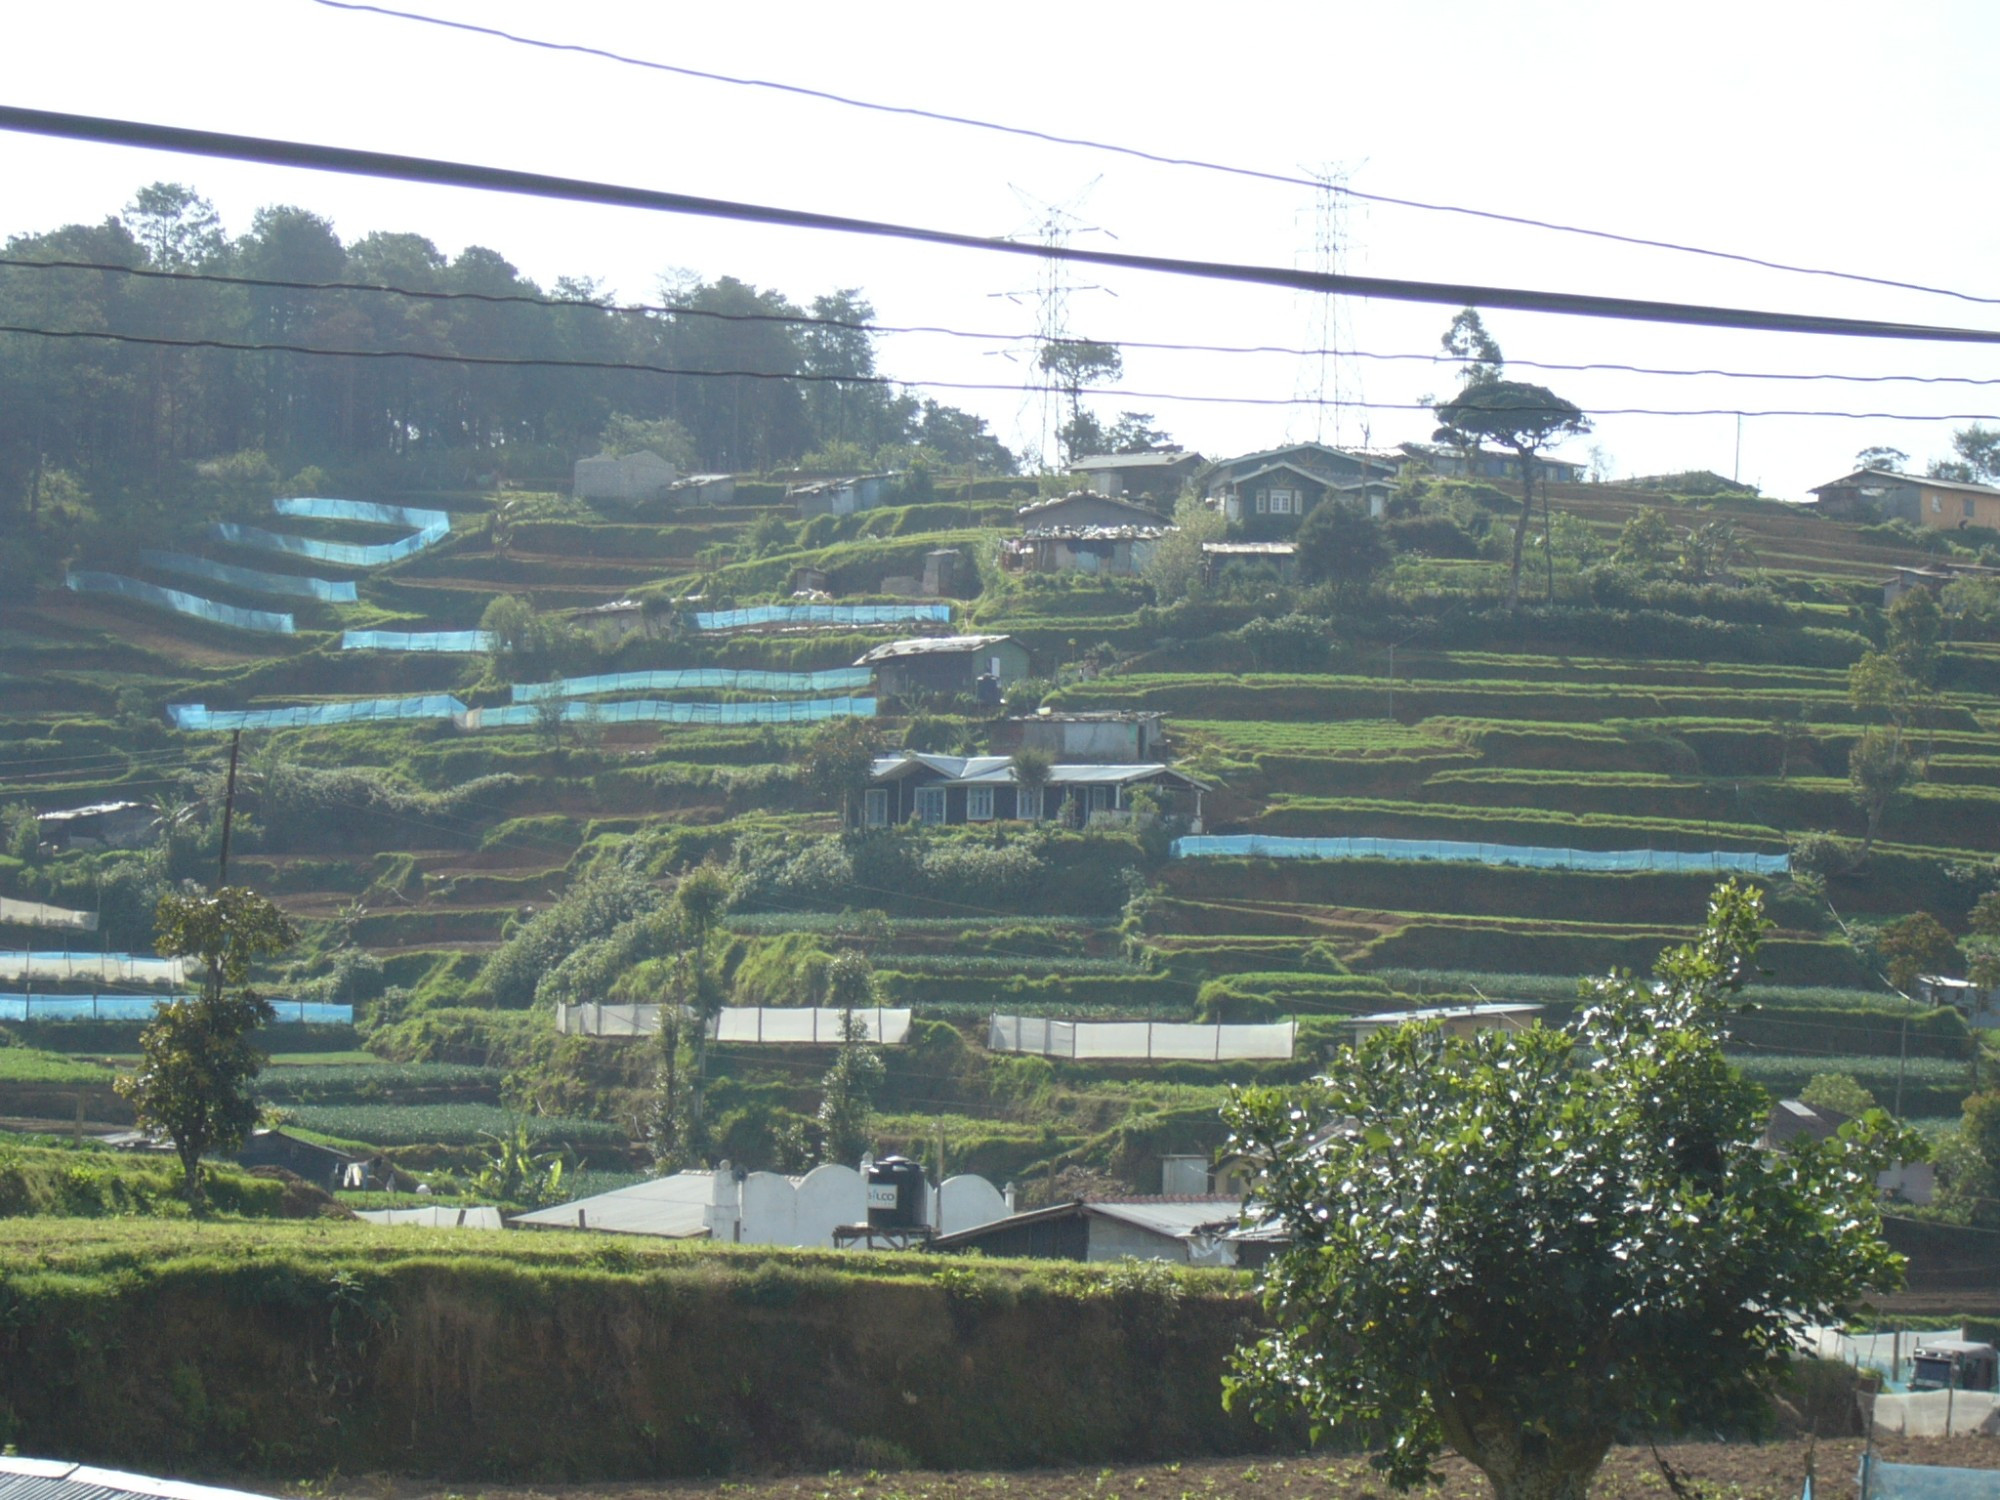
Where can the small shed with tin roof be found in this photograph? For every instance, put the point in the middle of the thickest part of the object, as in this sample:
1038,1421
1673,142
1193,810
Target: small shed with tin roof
948,664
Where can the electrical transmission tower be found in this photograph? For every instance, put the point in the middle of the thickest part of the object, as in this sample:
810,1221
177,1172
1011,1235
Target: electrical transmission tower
1326,382
1052,225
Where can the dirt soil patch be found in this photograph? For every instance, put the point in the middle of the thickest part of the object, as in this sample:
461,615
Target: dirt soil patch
1712,1471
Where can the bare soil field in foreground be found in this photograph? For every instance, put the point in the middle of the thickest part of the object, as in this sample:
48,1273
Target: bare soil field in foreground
1712,1471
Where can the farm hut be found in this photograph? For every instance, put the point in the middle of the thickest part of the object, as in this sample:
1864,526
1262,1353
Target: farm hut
608,624
1458,1020
628,477
101,825
1187,1229
1100,551
1933,576
843,497
1110,734
1085,508
1884,495
703,489
915,787
1795,1120
945,664
320,1165
1980,1005
1159,475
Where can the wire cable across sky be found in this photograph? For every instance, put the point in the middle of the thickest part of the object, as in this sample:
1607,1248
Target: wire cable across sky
992,336
396,167
1157,158
161,341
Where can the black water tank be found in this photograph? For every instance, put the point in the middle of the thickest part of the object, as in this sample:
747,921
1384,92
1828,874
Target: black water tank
896,1194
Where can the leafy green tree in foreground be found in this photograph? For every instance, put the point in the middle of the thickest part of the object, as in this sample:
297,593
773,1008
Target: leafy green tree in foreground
1520,1244
197,1062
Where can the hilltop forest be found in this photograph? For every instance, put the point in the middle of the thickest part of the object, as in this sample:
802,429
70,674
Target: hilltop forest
210,396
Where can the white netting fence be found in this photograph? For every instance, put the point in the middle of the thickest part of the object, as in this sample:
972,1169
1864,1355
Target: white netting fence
125,968
35,914
1158,1041
752,1024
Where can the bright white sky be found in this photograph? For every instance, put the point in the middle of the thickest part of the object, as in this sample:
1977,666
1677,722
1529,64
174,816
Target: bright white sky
1851,136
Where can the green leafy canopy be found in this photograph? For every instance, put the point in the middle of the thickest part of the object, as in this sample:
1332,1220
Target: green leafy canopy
1519,1244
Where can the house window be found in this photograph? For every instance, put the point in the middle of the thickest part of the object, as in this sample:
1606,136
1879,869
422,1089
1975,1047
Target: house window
1937,506
1281,502
1970,512
930,804
1263,502
1103,798
875,806
979,804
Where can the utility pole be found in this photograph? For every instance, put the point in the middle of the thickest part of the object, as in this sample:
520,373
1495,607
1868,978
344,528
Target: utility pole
228,809
1902,1054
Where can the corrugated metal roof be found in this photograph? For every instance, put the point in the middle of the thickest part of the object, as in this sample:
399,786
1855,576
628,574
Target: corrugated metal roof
94,810
1925,480
998,770
1096,533
59,1479
1158,458
1173,1218
1087,497
1364,460
1494,1009
1087,716
930,645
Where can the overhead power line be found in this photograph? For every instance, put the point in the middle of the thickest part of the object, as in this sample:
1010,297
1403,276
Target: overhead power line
638,367
1257,174
394,167
1014,336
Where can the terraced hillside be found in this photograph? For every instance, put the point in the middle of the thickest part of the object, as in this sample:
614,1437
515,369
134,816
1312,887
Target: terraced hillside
444,861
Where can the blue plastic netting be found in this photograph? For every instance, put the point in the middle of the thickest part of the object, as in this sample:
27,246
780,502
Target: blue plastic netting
141,1007
680,679
429,527
85,582
655,711
467,641
256,580
307,715
819,614
1266,846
